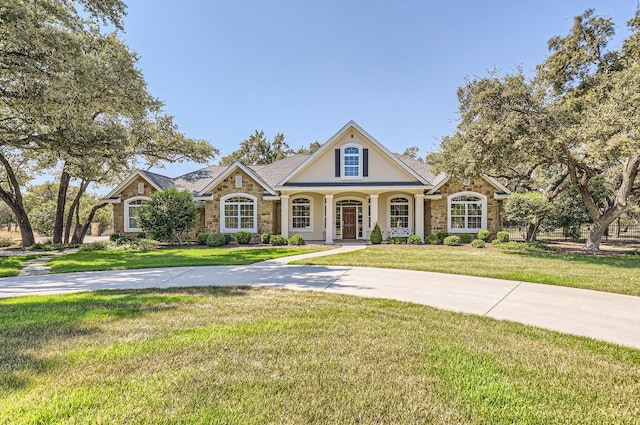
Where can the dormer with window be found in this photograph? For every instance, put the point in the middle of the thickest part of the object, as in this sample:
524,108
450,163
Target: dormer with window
352,162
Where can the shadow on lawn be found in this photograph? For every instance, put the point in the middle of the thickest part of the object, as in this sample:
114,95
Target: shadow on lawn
618,261
29,325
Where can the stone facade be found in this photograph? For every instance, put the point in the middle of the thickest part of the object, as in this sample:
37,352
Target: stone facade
436,211
131,191
266,209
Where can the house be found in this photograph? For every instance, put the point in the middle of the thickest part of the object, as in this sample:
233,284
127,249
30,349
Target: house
337,193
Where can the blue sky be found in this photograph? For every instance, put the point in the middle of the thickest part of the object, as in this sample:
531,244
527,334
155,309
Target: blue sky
305,68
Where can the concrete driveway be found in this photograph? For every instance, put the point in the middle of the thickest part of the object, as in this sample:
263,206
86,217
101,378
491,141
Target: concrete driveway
609,317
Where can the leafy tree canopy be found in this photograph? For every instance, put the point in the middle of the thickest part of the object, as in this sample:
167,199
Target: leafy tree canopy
169,215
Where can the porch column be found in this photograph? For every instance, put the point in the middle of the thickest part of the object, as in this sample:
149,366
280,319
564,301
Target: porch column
374,211
328,213
284,215
418,214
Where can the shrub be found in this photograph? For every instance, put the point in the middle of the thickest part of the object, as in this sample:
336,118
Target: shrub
394,240
477,243
215,239
376,235
169,215
526,246
243,237
132,245
452,240
414,240
432,240
441,235
227,238
97,246
502,237
484,235
6,241
115,237
465,238
202,238
264,238
296,239
141,235
278,240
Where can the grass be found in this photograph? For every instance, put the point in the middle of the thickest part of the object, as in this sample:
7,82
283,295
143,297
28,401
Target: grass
617,274
249,355
10,266
121,260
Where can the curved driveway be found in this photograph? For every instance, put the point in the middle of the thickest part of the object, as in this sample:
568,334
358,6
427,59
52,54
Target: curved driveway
605,316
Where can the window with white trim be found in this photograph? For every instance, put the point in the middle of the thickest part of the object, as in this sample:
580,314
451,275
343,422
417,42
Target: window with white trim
131,213
467,212
238,212
351,161
301,213
399,212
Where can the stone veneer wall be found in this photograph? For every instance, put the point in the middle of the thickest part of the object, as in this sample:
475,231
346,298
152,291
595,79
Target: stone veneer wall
266,209
438,208
130,191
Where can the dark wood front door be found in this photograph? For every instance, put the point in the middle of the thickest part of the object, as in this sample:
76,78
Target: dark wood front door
349,223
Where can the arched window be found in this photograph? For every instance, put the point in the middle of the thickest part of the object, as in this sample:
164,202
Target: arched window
131,213
399,212
238,212
467,212
301,214
351,161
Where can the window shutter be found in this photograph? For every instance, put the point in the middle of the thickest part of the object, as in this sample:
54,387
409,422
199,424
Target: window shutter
337,162
365,162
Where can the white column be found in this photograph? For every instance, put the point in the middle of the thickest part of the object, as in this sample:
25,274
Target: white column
418,215
374,211
284,215
328,213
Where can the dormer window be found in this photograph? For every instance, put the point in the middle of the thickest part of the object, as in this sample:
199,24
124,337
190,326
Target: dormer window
351,162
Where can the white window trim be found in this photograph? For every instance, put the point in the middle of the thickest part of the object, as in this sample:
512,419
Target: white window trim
342,158
305,229
483,199
410,206
126,213
223,229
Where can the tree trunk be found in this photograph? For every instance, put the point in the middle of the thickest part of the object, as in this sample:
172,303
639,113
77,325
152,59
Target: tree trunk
81,230
13,199
65,178
532,229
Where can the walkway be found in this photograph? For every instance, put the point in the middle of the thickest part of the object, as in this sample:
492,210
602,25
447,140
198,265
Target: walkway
609,317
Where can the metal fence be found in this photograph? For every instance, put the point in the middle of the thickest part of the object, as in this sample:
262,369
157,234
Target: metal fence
615,232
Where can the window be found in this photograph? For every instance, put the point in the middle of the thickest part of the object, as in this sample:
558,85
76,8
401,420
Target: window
131,214
467,212
301,213
238,212
238,181
351,161
399,212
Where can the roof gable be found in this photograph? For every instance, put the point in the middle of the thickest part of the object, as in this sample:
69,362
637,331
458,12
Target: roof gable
158,181
230,169
324,150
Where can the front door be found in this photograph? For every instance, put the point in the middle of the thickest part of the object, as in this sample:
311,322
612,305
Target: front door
349,222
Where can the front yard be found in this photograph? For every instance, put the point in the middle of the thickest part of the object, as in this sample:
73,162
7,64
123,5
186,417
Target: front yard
619,274
249,355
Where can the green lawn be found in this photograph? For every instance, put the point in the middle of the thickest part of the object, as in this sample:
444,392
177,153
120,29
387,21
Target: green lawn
620,274
121,260
10,266
249,355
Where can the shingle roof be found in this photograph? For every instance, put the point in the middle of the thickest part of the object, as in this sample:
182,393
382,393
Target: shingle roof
163,182
195,181
273,173
422,168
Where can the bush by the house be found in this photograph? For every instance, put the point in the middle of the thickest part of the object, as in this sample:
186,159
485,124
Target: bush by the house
243,237
465,238
114,237
169,215
452,240
296,239
215,239
264,238
432,240
477,243
227,238
394,240
131,244
414,240
485,235
141,235
278,240
441,235
502,237
202,238
376,235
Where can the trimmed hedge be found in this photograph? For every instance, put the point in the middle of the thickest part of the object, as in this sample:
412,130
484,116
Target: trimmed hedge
477,243
296,239
502,237
376,235
202,238
484,235
441,235
215,239
243,237
432,240
264,238
278,240
452,240
465,238
414,240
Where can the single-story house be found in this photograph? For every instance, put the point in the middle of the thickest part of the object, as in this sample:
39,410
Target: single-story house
337,193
